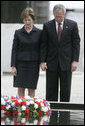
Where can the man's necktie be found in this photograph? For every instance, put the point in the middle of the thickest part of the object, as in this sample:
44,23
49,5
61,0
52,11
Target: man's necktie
59,31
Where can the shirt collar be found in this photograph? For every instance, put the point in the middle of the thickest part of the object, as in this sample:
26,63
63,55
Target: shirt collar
34,29
61,22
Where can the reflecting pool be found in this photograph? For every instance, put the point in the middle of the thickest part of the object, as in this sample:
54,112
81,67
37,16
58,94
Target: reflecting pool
58,117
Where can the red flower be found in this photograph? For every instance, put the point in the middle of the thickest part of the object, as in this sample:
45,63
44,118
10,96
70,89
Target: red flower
8,113
44,100
27,117
16,123
38,123
39,104
44,123
23,103
14,98
21,97
27,111
17,103
15,113
3,107
47,113
6,100
23,123
44,103
34,98
2,118
40,113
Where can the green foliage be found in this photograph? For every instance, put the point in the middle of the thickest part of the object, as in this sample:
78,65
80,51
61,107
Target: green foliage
19,109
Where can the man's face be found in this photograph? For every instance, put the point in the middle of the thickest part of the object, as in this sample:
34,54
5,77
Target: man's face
59,16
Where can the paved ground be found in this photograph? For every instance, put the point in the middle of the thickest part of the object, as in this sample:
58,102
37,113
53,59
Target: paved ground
77,89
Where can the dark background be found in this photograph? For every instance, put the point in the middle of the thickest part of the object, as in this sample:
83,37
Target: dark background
11,10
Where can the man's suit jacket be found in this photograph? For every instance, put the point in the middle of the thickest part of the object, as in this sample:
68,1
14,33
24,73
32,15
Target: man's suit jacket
64,51
26,46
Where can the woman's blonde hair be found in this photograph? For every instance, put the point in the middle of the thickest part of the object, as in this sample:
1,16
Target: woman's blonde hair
28,12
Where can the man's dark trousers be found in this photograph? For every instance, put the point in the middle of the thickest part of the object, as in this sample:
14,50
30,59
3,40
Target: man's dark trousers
52,85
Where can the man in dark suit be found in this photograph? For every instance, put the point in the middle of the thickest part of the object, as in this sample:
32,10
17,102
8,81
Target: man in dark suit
60,50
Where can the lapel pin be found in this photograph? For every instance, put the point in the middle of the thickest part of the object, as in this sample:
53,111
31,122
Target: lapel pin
66,26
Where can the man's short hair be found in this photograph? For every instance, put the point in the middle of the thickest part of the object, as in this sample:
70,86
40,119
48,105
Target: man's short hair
59,7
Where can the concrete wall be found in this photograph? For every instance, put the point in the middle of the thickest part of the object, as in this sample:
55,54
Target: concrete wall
7,34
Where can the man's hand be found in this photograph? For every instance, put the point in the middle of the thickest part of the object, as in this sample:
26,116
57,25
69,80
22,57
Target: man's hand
14,71
74,66
43,66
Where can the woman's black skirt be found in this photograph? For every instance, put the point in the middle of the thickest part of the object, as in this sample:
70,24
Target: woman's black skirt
27,75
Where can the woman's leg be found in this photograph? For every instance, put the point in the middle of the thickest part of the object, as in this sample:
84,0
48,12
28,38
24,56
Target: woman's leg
21,91
31,92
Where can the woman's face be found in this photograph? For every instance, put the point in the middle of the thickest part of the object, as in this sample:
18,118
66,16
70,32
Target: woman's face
28,21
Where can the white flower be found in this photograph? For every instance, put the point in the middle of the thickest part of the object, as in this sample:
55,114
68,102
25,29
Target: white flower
35,106
35,122
9,101
41,122
27,97
8,107
37,97
27,103
48,104
7,120
20,114
2,123
48,108
2,111
31,123
5,97
23,107
2,99
38,100
14,96
3,102
23,120
19,100
34,111
45,118
31,102
9,96
44,109
12,104
27,123
12,123
42,104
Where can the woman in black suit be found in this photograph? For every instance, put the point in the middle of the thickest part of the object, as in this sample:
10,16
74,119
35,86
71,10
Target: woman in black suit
25,54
